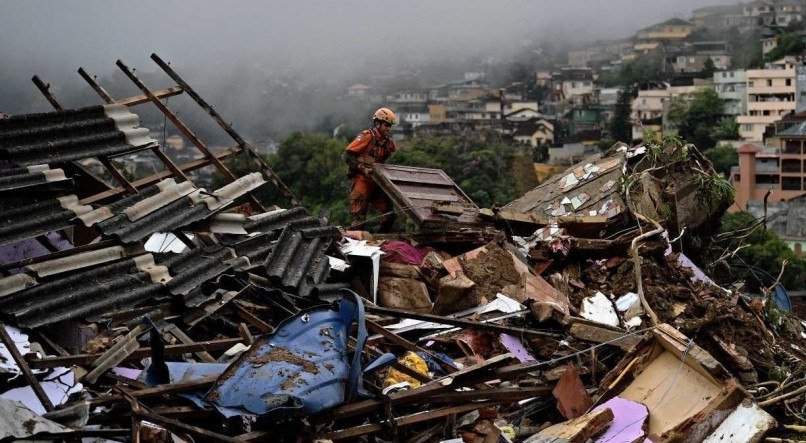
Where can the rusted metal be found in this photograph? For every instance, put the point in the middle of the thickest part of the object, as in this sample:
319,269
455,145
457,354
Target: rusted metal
44,88
417,191
25,369
264,166
184,130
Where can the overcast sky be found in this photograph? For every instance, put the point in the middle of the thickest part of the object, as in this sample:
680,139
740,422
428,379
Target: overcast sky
298,39
47,36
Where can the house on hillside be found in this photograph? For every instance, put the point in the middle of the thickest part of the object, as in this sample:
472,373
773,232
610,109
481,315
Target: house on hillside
576,147
674,29
534,132
577,85
359,90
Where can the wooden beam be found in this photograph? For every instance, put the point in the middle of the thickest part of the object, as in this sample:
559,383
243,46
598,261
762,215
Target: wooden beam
517,331
25,369
175,388
45,90
154,178
261,162
178,426
184,129
86,359
142,98
98,88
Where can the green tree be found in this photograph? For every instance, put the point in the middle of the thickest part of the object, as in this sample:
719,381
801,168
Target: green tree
708,68
696,118
788,44
762,250
620,124
727,129
480,163
723,157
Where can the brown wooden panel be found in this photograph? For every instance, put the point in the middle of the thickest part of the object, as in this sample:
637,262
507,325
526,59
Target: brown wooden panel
414,191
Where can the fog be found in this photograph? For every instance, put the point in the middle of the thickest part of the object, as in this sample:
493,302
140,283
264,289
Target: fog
273,67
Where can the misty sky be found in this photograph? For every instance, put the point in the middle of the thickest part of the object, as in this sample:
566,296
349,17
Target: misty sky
233,51
48,37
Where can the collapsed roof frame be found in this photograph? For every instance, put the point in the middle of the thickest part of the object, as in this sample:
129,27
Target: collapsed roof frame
171,170
178,172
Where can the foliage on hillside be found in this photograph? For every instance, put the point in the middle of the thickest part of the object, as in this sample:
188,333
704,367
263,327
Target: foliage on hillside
489,170
760,254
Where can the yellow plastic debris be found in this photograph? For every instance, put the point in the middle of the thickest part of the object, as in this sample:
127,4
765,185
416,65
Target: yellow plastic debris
411,361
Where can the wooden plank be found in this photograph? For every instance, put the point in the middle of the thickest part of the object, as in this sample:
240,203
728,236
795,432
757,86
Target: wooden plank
177,426
86,359
97,87
185,130
154,178
26,370
178,387
513,330
142,98
203,355
432,197
117,175
408,420
45,90
252,319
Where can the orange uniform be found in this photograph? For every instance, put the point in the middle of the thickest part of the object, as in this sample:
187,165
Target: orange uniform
370,143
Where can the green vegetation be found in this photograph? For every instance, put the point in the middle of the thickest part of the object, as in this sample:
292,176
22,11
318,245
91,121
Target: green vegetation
696,118
488,169
723,157
761,253
789,43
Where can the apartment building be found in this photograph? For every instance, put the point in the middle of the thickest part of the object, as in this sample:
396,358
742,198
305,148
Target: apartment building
732,88
770,95
779,170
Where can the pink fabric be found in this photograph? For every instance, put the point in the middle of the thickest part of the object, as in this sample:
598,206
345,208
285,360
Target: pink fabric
397,251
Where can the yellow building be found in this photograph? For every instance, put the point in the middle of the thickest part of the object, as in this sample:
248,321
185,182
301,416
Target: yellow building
544,171
436,112
674,29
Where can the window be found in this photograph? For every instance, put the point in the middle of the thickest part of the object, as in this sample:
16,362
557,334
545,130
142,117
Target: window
769,82
748,126
643,101
791,184
731,74
789,82
725,74
751,84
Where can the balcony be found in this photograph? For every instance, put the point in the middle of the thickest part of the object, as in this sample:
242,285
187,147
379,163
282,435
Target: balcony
771,106
766,90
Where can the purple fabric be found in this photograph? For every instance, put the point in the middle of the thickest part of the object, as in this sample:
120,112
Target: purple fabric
515,346
628,421
397,251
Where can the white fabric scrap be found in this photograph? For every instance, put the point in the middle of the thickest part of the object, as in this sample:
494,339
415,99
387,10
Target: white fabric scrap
338,264
599,309
627,301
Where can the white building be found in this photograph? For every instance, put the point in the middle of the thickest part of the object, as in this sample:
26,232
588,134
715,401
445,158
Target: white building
731,87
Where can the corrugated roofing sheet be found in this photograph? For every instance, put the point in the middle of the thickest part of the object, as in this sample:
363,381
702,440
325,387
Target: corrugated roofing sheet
17,178
63,136
298,262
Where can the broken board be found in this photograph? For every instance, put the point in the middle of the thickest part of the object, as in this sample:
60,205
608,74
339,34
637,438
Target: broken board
416,191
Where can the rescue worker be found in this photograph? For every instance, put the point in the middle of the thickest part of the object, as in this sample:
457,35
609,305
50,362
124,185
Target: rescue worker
369,147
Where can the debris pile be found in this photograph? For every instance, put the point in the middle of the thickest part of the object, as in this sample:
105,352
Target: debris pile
160,311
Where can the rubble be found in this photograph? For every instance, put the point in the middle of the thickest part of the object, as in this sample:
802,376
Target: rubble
156,310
